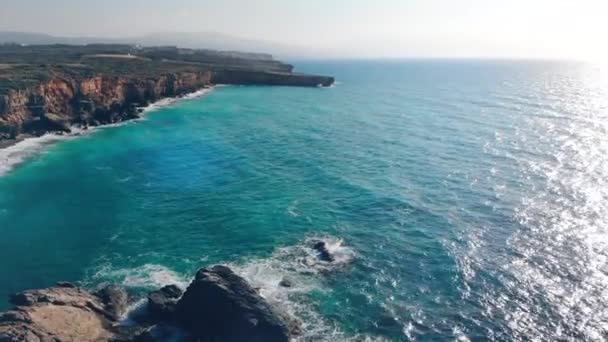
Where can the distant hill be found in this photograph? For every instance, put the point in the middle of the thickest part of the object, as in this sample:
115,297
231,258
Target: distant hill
203,40
30,38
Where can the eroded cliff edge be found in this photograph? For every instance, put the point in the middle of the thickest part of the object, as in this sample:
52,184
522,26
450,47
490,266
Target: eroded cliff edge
51,88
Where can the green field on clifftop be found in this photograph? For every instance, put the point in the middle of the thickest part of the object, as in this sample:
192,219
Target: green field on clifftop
22,66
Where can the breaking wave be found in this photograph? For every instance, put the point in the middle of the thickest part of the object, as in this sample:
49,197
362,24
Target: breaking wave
19,152
147,277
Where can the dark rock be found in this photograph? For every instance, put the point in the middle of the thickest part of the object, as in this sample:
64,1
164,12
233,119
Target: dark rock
146,336
133,333
160,332
324,254
115,300
87,106
221,306
57,122
286,282
65,284
161,303
248,77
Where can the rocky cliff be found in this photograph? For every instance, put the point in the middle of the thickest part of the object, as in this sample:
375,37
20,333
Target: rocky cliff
61,102
50,88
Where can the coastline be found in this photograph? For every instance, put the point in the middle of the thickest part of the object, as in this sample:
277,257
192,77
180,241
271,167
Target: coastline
15,151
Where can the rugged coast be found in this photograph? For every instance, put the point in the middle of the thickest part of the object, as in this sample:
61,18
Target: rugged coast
218,305
51,88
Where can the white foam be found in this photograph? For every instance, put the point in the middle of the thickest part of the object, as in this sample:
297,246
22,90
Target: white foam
14,155
299,264
292,209
171,100
148,276
17,153
342,254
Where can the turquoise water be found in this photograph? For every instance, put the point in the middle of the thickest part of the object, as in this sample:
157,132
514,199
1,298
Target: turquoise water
465,200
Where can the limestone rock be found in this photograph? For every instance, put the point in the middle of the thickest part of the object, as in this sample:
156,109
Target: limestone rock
56,314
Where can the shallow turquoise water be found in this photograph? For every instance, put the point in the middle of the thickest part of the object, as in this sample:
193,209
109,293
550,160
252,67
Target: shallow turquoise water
467,199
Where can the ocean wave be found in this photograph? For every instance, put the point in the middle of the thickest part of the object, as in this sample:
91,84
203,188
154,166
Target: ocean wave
16,154
148,277
171,100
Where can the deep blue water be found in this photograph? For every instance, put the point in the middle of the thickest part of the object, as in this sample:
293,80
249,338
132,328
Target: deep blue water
465,200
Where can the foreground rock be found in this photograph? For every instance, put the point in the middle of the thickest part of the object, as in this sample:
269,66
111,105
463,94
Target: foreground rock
162,303
217,306
61,313
115,300
221,306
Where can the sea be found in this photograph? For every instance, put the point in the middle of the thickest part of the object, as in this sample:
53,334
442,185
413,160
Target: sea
464,200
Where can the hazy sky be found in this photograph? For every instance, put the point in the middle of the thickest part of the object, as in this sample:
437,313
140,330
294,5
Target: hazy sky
363,28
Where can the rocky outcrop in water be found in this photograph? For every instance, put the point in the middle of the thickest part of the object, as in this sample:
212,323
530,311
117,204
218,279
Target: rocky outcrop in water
162,303
221,306
321,247
217,306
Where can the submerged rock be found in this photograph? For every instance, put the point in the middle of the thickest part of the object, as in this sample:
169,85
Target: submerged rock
286,282
221,306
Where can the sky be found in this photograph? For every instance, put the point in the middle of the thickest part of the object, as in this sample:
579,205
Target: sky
559,29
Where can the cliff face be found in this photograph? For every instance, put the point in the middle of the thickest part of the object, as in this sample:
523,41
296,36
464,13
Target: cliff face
57,104
63,101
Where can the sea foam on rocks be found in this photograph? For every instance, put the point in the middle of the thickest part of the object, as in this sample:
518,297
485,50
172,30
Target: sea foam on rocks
251,302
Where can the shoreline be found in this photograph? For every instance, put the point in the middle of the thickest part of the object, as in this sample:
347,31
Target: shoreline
15,151
11,142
